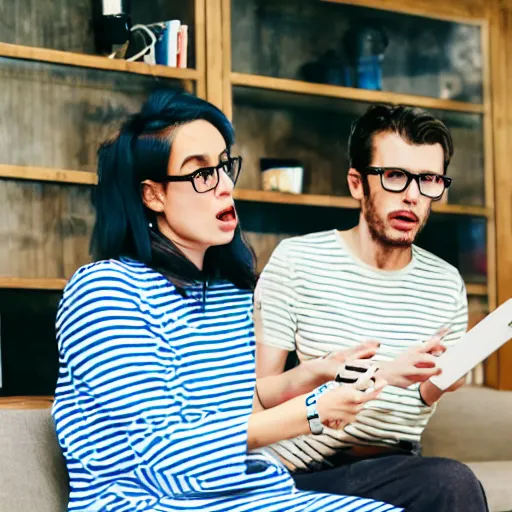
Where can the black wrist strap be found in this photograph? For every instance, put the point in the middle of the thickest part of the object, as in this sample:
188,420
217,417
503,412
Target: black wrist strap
258,395
421,398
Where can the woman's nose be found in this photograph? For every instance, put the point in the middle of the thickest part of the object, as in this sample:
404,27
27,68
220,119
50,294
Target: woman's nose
225,185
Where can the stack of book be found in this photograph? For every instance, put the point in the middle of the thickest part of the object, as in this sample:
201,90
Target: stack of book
171,47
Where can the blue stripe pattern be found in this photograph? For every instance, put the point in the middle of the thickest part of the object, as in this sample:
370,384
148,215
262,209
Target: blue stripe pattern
154,395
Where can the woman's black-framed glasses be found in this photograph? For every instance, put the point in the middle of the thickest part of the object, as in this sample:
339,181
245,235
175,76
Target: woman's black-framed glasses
207,178
395,179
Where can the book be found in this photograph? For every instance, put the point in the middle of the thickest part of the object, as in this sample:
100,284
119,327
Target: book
166,48
182,46
476,345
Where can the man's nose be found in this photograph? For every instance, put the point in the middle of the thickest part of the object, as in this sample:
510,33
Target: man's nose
412,192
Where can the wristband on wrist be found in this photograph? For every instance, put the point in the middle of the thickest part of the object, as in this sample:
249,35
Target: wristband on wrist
315,424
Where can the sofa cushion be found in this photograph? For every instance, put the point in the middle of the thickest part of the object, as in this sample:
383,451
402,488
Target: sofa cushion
474,424
496,477
33,471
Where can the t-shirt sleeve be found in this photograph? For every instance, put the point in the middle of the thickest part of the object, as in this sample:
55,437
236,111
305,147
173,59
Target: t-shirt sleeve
275,301
459,323
130,390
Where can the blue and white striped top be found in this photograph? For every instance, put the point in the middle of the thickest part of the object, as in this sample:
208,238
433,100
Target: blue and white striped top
154,395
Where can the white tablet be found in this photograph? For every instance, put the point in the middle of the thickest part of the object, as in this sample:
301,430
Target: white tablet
475,346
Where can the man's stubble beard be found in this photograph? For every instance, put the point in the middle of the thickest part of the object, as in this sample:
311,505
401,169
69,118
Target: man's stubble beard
377,227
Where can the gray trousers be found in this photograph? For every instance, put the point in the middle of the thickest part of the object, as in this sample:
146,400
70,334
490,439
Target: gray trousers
418,484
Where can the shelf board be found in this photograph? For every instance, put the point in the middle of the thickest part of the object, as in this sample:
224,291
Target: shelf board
94,61
47,174
26,402
477,289
32,283
263,196
462,209
350,93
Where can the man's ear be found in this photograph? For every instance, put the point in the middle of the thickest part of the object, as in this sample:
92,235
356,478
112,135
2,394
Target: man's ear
355,184
153,195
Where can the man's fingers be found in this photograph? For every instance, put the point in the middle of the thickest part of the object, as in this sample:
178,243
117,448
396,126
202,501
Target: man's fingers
433,344
425,361
364,352
421,374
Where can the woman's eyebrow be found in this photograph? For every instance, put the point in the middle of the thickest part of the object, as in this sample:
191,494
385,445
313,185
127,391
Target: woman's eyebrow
201,159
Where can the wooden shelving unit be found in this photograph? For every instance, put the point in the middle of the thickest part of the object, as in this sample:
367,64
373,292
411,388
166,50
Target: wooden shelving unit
215,79
241,88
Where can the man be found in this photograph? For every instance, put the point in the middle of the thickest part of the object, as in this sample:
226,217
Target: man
332,290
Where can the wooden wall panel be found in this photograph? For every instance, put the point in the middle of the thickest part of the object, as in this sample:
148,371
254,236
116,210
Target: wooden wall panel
45,229
58,115
62,25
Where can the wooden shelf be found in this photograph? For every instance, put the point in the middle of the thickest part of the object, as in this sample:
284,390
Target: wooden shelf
26,402
462,209
263,196
477,289
32,283
47,174
94,61
349,93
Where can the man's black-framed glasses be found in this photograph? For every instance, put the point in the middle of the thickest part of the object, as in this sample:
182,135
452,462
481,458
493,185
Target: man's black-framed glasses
207,178
395,179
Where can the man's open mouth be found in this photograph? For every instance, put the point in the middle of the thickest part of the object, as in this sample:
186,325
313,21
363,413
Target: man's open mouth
404,216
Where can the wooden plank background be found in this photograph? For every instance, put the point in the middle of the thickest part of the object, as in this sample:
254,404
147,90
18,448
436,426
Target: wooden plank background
45,229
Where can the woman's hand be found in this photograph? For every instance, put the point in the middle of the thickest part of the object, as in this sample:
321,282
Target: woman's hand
339,406
416,364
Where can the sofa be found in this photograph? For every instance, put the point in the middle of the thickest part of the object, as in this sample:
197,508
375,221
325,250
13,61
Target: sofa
473,425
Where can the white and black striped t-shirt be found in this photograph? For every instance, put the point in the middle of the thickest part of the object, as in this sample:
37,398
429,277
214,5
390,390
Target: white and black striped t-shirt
315,296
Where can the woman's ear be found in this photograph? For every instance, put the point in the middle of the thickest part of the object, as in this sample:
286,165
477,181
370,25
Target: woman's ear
355,184
153,195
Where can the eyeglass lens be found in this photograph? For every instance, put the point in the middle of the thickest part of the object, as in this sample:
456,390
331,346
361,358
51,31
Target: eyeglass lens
207,179
395,180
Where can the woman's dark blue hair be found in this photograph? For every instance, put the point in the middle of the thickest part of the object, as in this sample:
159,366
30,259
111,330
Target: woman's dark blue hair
141,152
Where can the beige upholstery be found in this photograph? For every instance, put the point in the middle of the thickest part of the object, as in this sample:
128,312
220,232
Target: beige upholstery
33,476
474,425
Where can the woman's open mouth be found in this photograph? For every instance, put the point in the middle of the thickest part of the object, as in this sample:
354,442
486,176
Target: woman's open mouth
227,218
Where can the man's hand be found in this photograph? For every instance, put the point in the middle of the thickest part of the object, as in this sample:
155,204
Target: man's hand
430,393
416,364
326,368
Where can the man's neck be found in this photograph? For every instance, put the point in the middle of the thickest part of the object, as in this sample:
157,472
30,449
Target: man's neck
374,253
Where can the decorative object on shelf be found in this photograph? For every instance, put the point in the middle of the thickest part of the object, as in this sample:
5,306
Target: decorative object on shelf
328,69
364,47
112,25
282,175
142,45
163,43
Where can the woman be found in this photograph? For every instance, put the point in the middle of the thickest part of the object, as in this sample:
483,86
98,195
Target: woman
155,407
